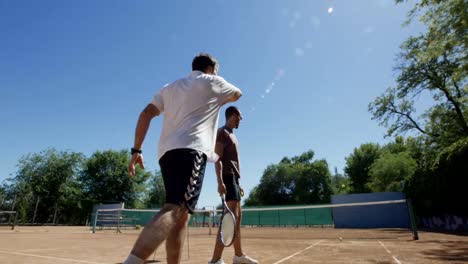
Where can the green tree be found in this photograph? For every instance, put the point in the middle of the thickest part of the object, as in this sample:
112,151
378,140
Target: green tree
358,165
47,183
450,179
441,188
414,146
390,171
6,197
297,180
105,179
434,62
340,183
157,193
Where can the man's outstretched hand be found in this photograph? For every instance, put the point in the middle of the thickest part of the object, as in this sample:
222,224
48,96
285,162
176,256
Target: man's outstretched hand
136,159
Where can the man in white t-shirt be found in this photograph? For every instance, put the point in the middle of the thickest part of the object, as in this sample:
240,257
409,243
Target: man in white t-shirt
191,108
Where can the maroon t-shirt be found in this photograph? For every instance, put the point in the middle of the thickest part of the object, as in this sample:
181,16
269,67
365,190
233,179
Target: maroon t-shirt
230,158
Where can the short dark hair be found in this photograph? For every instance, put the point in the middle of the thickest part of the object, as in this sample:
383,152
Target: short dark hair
203,60
230,111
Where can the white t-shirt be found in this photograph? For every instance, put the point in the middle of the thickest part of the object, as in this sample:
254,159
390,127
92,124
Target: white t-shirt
191,109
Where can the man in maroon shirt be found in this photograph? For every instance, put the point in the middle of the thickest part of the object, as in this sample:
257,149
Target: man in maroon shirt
228,174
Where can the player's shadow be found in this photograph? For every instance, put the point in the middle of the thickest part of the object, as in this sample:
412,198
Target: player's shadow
146,261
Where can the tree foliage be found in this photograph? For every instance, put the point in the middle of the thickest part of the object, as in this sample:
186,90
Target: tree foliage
390,171
105,179
358,165
434,62
340,184
48,179
296,180
157,193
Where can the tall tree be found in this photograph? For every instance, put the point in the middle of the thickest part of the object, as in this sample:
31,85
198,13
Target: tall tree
358,165
47,183
296,180
105,179
449,172
434,62
390,171
340,183
440,188
7,196
157,193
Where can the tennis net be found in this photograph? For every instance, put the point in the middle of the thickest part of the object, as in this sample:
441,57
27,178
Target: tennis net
389,214
361,215
122,218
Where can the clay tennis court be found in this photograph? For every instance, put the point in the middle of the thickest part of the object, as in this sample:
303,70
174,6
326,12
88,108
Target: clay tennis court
47,244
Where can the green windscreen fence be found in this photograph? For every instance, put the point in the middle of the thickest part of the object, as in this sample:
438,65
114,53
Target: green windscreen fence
287,216
277,216
138,217
297,215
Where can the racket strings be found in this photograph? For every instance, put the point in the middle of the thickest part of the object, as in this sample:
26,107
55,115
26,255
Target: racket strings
228,225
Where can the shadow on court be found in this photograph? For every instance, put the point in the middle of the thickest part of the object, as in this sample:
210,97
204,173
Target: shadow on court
148,261
449,251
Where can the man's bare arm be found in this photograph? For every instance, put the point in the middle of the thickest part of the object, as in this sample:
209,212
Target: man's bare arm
219,168
143,123
236,97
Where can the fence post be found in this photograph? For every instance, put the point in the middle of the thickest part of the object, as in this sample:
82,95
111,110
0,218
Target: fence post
55,212
412,220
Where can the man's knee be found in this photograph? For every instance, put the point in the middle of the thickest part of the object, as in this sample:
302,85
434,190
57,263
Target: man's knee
234,206
179,213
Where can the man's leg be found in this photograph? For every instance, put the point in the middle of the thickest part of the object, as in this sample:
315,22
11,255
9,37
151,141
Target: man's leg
176,238
218,250
239,256
236,209
154,233
219,247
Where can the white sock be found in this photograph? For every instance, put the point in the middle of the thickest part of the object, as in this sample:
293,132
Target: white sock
132,259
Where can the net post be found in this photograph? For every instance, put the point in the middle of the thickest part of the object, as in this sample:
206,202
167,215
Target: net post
15,220
210,221
119,215
279,218
305,217
412,219
95,221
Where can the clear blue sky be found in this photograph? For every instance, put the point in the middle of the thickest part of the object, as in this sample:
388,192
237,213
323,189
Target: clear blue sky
75,75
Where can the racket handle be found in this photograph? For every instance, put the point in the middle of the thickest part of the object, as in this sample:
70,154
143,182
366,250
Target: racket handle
223,196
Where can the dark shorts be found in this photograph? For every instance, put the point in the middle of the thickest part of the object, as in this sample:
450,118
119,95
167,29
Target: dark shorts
183,171
231,181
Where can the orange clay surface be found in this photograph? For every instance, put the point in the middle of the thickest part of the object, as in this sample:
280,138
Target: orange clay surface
49,244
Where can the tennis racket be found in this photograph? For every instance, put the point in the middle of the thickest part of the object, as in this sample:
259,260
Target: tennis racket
227,227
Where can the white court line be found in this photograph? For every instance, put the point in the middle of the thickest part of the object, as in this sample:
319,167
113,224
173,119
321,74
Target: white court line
390,253
286,258
46,257
37,249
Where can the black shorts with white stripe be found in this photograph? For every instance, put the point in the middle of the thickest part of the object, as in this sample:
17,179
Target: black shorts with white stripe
183,171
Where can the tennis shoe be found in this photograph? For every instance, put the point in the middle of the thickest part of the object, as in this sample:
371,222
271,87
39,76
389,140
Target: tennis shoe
220,261
244,259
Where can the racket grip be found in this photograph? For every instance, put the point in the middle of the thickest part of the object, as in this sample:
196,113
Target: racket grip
223,196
